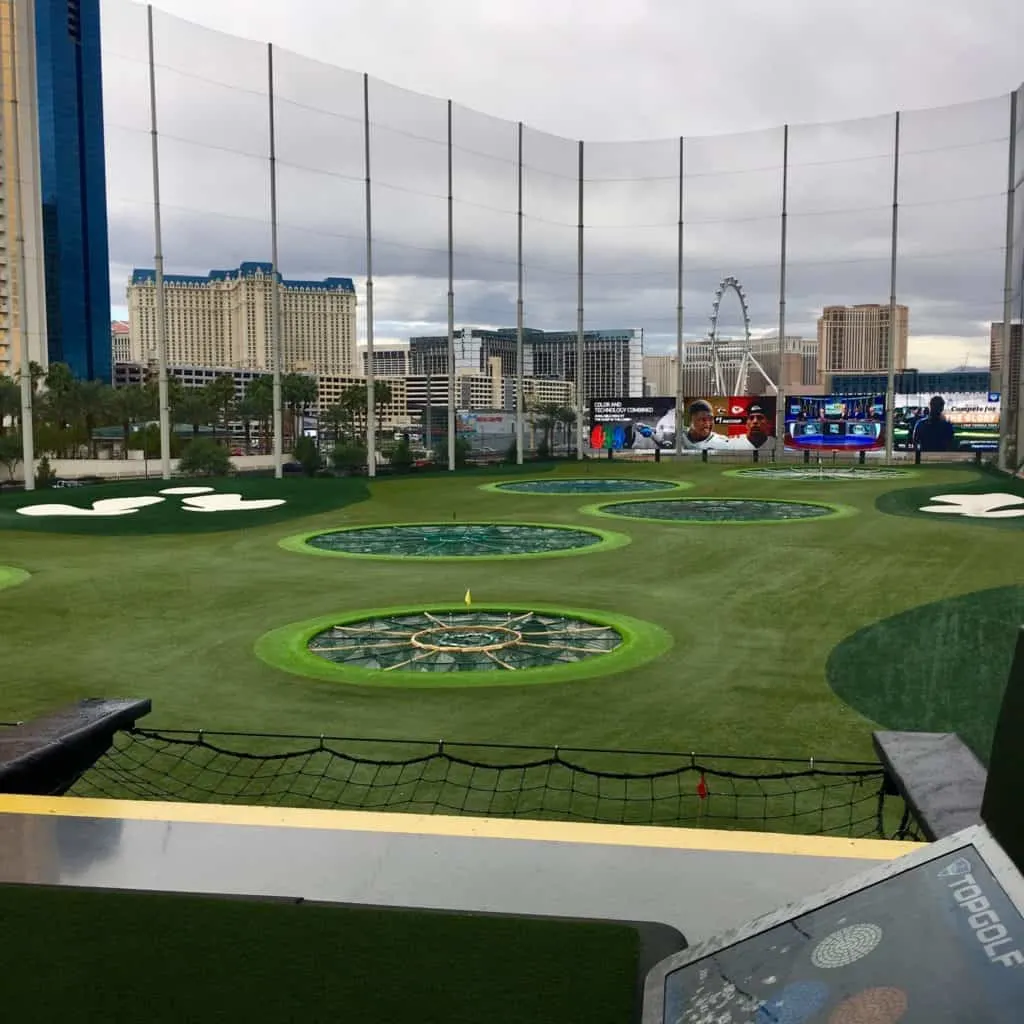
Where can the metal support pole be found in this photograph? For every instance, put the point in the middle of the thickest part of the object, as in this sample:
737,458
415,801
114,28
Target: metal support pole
890,386
275,291
520,403
163,389
1008,453
451,303
21,297
371,387
579,313
780,393
679,308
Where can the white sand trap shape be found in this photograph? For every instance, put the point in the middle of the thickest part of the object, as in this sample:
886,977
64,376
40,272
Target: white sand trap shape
978,506
178,491
846,946
229,503
102,507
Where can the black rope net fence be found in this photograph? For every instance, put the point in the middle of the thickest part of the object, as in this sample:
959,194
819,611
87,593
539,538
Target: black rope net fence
491,780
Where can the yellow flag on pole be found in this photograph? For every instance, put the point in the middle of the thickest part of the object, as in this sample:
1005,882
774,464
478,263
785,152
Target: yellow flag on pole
468,598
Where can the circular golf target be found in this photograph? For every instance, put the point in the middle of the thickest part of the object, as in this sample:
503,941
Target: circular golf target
462,645
716,510
459,641
846,946
584,485
873,1006
455,540
11,577
822,473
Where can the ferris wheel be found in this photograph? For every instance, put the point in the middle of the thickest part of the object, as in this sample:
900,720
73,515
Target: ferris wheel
733,353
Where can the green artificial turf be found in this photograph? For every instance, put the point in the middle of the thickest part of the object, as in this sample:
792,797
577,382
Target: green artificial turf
121,957
754,614
909,501
940,667
302,497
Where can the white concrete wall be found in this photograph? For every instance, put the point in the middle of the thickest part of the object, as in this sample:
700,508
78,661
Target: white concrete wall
134,467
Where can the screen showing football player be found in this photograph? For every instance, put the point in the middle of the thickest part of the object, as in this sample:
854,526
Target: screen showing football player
700,434
759,427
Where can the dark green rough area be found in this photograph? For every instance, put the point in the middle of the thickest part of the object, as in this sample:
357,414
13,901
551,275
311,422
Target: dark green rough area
908,501
940,667
84,956
303,497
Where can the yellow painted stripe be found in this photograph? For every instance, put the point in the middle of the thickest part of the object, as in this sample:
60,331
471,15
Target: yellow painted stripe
471,828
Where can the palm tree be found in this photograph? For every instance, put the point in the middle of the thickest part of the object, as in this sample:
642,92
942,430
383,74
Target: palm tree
220,393
260,392
91,401
353,401
566,418
298,392
381,398
129,406
248,411
194,408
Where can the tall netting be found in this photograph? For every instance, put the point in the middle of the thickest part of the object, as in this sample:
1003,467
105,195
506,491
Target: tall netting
126,129
484,172
732,203
840,233
213,112
409,172
631,212
952,228
551,208
501,781
321,209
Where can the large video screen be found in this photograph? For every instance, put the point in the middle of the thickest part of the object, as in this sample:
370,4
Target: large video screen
965,422
835,422
729,422
639,424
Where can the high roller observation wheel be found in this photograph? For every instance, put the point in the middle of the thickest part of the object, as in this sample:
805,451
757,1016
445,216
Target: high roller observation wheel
729,283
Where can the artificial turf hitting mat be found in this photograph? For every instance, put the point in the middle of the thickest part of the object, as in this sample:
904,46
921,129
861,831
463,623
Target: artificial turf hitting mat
939,667
715,510
455,540
583,485
94,955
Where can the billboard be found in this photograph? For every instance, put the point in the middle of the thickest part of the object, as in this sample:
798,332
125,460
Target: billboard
835,422
728,422
638,424
965,422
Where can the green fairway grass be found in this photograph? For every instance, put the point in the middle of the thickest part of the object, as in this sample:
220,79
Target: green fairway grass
754,612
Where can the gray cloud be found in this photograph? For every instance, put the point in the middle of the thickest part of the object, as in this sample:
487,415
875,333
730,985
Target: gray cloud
638,65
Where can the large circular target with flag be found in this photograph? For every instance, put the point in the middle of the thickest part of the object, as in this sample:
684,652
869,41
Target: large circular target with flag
463,645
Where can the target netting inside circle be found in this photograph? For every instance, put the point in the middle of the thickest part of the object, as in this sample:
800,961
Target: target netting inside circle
573,485
461,641
717,510
454,540
823,473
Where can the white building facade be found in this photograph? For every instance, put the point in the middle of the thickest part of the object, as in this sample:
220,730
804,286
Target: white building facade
226,319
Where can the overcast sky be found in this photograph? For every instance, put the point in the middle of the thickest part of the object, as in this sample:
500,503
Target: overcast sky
604,72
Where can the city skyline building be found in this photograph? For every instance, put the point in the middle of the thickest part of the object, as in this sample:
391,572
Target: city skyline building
69,81
612,359
22,278
995,359
225,318
855,339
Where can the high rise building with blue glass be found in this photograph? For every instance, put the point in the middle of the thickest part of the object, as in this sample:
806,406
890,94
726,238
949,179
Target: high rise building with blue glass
73,185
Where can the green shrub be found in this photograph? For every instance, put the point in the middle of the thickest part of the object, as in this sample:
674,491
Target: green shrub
205,457
307,455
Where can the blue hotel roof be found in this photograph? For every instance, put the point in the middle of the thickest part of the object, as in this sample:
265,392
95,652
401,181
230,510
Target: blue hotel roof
248,269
